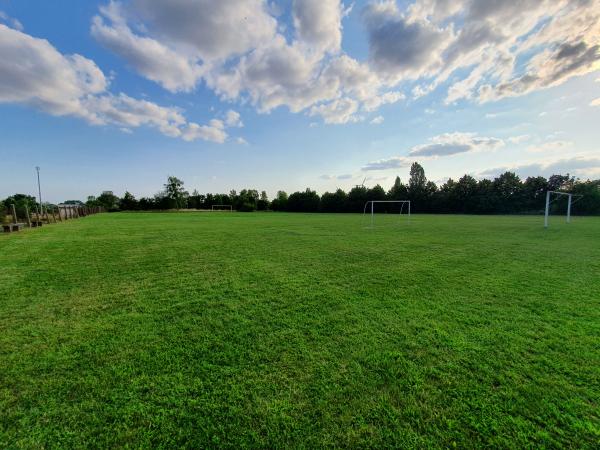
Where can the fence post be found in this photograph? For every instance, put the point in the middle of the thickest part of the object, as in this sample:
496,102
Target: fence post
14,213
27,214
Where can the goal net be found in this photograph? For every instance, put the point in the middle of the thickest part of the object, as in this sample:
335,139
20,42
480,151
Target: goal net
386,208
222,208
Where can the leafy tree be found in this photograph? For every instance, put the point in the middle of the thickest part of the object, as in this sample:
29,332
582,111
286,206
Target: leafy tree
508,187
279,203
247,200
560,182
20,201
175,193
465,191
419,191
146,204
417,181
334,202
398,191
108,201
534,194
357,197
307,201
263,202
128,202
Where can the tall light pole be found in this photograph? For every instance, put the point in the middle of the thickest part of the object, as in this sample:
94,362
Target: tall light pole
37,168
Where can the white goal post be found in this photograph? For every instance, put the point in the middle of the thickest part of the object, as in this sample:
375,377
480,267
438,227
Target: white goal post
569,204
370,207
222,208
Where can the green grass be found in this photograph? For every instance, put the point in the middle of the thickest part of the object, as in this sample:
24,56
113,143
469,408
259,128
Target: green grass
297,330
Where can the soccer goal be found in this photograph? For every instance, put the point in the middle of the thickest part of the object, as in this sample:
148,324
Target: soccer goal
222,208
397,207
557,195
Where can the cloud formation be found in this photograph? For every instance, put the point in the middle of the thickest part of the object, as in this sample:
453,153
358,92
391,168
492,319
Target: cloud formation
390,163
72,85
582,166
242,49
454,143
446,144
247,52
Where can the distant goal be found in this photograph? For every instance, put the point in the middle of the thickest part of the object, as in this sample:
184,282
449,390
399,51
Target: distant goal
221,208
557,195
391,207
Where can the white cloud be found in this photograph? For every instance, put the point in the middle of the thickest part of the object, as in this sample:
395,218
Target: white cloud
345,176
399,47
14,23
377,120
75,86
390,163
241,141
318,24
44,78
233,119
519,139
237,48
454,143
582,166
213,132
551,147
337,112
595,102
207,29
149,57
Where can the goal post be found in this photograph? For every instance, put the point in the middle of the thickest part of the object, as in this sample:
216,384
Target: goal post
558,194
370,208
222,208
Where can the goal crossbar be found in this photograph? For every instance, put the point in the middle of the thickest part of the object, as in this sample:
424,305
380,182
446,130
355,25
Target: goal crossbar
569,204
372,203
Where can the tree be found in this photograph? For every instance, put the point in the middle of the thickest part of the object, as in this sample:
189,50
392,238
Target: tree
560,182
263,202
508,187
20,201
534,194
465,191
418,189
307,201
398,191
247,200
334,202
279,203
175,192
108,201
128,202
417,180
146,204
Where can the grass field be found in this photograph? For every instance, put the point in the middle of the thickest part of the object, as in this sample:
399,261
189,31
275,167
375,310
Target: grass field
298,330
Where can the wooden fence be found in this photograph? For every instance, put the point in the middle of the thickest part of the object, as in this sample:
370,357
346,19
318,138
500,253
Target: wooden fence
48,215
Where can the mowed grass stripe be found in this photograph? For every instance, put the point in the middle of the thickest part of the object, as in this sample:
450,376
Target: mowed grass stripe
273,330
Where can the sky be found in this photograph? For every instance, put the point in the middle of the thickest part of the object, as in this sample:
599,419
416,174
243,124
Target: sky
284,95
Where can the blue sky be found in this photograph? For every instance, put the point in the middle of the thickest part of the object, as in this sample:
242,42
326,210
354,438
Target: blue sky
284,95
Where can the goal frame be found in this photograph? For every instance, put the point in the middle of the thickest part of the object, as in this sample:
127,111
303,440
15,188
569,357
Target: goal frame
222,206
372,203
569,204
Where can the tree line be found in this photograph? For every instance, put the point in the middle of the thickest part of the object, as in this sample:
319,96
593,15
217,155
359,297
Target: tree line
506,194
